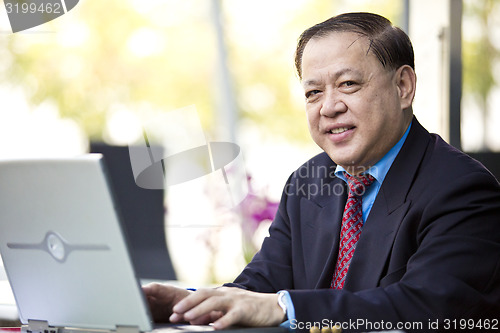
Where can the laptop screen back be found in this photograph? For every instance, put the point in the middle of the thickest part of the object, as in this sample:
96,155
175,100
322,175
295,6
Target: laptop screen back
63,247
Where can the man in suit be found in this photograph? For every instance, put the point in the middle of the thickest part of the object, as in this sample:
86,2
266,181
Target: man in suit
415,246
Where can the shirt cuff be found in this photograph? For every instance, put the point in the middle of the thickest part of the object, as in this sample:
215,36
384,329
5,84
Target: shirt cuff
290,310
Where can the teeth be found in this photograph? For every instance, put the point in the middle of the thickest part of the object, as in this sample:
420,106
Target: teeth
339,130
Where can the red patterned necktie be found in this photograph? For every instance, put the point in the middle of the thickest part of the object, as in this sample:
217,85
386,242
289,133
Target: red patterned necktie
352,223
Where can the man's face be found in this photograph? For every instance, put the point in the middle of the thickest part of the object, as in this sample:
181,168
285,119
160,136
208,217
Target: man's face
352,102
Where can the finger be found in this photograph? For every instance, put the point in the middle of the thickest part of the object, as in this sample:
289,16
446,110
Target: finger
193,300
207,319
214,315
155,289
215,303
203,320
176,318
232,317
149,289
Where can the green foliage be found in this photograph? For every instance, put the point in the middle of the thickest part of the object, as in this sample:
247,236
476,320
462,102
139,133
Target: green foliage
90,63
479,54
156,56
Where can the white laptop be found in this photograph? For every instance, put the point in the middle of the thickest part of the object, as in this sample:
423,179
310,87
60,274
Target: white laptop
63,247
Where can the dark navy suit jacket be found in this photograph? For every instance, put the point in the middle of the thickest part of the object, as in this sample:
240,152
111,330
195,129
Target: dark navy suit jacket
429,250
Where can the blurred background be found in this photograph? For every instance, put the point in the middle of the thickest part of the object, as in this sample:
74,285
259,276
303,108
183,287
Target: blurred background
98,72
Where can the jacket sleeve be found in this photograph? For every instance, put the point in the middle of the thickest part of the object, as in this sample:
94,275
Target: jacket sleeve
271,268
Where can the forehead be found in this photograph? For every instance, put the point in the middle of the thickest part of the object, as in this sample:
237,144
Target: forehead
338,52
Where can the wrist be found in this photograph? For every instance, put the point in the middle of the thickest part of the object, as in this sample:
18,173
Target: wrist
274,312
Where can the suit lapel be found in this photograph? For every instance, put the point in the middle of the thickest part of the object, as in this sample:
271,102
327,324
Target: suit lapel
374,247
390,207
321,233
333,214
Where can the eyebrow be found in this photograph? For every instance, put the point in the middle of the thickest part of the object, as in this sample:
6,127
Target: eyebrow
313,82
310,83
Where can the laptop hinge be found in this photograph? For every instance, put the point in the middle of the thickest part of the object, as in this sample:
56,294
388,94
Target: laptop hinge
127,329
38,326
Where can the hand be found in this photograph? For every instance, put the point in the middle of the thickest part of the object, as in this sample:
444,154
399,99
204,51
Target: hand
162,298
229,306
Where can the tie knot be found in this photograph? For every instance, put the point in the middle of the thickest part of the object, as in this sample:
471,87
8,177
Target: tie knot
358,184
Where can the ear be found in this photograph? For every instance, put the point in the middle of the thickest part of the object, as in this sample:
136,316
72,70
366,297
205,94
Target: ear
406,80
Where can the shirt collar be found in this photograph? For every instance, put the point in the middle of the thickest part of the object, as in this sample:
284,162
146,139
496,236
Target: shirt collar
380,169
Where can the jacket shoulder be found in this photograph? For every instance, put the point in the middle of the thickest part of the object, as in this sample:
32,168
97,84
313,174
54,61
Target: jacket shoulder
319,166
449,162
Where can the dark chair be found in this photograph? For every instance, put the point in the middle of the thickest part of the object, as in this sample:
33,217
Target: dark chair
142,213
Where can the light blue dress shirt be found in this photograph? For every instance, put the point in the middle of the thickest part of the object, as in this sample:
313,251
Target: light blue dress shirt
378,171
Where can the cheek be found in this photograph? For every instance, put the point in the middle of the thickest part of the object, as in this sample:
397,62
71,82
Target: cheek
369,111
312,117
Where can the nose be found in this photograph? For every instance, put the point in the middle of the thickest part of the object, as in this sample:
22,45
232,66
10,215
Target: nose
332,105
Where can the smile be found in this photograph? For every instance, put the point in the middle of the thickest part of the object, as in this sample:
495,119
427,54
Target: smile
340,130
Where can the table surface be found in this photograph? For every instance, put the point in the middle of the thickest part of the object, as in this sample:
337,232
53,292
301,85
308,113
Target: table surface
185,329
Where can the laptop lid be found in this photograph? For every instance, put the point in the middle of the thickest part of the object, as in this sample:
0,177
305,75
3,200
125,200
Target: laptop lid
63,247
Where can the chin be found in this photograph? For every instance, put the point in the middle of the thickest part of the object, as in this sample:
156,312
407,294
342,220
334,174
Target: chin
341,161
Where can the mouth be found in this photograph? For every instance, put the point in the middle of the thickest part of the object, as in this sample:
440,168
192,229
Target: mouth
340,133
340,130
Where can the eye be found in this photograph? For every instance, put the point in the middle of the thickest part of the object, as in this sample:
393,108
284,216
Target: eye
349,86
348,83
311,93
